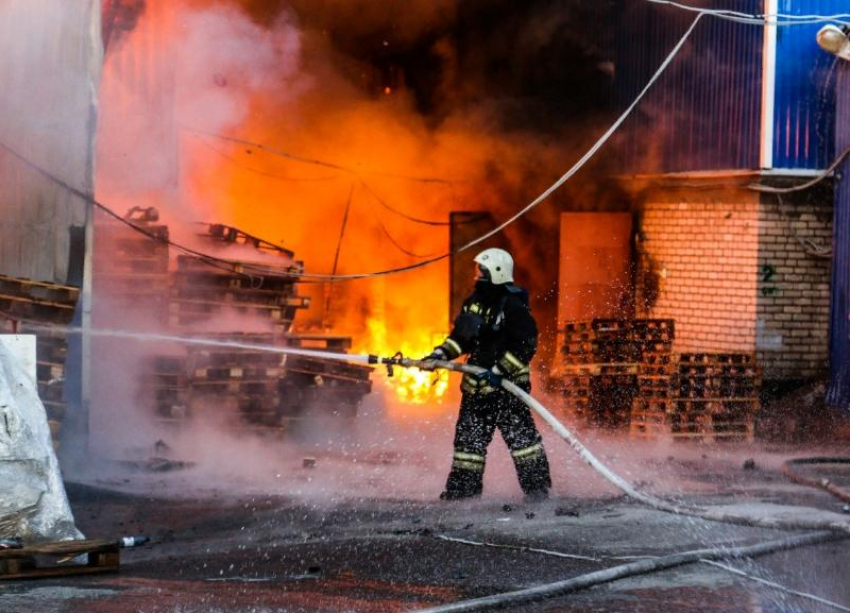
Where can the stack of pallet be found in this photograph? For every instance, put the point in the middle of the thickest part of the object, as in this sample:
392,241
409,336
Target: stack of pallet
653,398
617,355
716,397
45,310
609,370
131,267
261,389
572,371
248,282
201,293
164,387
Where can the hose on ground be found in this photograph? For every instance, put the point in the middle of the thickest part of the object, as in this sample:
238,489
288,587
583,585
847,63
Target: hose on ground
616,480
824,484
560,588
729,569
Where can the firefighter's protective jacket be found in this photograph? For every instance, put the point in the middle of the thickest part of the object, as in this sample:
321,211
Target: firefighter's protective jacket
495,328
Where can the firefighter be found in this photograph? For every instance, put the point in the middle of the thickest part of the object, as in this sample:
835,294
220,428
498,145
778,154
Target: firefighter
496,330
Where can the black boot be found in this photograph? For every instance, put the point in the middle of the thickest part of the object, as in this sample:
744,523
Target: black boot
533,473
463,483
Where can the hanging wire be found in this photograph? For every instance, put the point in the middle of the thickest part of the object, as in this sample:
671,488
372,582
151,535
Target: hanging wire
384,204
330,289
213,260
314,161
263,173
758,19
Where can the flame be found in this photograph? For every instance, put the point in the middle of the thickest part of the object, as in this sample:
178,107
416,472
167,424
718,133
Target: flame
408,386
170,83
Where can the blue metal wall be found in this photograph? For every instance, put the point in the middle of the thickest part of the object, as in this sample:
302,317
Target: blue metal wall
804,120
704,113
839,328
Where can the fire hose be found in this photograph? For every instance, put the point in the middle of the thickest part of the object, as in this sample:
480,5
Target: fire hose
602,469
828,530
399,360
824,484
833,530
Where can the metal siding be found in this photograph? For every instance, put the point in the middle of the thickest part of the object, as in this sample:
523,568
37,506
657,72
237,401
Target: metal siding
49,68
804,119
704,113
839,341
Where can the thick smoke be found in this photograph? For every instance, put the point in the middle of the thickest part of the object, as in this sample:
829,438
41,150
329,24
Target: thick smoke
400,105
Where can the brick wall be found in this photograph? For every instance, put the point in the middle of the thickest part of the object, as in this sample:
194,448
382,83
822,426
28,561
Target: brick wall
729,267
792,335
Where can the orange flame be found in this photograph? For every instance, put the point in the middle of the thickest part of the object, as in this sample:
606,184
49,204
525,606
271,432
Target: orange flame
409,386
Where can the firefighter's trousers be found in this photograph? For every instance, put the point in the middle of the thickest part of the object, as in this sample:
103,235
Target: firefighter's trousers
480,415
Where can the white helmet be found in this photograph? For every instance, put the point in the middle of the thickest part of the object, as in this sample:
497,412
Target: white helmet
498,263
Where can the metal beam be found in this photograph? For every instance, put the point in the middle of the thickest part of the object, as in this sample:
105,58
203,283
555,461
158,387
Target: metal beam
838,394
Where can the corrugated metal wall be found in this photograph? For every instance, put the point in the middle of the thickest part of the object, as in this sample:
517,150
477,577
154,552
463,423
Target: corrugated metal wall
50,58
839,339
137,131
804,120
704,113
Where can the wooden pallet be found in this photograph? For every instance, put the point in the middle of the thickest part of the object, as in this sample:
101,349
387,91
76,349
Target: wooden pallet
236,359
39,291
236,373
698,428
59,559
256,275
326,342
190,274
642,404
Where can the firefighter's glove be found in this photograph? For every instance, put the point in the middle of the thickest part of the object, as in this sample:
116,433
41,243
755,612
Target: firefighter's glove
490,378
437,354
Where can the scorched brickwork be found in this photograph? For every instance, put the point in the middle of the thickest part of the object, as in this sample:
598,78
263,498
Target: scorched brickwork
739,272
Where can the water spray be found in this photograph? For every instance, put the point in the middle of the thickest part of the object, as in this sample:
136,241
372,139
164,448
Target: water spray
398,360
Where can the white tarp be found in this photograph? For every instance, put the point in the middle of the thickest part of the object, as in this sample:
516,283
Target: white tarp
50,60
33,504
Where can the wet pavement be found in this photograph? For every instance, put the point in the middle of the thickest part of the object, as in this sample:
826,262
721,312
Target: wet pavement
218,551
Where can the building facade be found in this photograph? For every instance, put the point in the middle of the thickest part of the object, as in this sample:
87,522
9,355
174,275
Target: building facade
742,106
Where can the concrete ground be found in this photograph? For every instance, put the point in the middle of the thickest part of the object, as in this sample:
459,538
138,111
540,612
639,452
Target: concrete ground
360,531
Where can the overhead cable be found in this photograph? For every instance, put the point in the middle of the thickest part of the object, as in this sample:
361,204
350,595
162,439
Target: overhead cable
769,189
772,19
206,258
352,276
595,148
314,161
265,173
383,203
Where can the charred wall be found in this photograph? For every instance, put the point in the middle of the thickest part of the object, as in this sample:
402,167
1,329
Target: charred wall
739,271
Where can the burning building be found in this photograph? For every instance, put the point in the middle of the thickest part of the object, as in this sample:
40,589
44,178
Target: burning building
369,145
723,241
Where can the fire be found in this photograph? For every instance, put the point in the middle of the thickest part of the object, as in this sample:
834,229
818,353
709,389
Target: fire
409,386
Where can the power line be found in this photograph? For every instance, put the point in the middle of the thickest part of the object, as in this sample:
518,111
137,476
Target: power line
759,19
352,276
368,188
315,161
210,260
592,151
384,204
264,173
330,289
758,187
392,239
